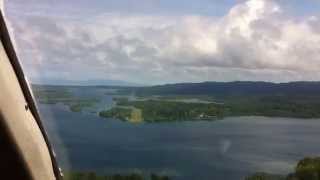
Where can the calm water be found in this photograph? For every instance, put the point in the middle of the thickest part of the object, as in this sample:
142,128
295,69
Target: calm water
228,149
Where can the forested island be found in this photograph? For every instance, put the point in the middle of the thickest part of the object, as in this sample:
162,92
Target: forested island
176,108
162,110
241,98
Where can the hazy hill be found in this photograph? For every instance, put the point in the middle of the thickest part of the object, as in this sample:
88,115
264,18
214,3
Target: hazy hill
233,88
90,82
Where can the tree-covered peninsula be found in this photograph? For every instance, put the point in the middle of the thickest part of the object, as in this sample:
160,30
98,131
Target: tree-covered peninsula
162,110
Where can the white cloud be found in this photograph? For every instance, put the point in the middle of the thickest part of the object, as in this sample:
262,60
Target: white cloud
255,40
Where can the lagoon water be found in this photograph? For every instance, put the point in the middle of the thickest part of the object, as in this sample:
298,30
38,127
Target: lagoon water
229,149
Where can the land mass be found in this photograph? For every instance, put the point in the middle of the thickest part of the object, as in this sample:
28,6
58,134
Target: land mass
214,100
62,94
162,110
293,99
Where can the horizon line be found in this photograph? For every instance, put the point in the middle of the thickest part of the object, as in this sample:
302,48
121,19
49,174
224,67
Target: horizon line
164,84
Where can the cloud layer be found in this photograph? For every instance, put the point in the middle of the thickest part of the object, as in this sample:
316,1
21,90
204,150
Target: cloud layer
255,40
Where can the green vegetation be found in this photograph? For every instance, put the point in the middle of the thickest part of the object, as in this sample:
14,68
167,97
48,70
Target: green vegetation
293,99
306,169
54,95
51,95
123,113
297,99
302,106
273,106
94,176
161,110
172,108
77,105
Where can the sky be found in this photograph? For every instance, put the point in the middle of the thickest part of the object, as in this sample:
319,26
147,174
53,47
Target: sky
167,41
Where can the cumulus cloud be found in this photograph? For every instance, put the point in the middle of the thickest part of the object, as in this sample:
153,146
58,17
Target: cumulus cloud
255,40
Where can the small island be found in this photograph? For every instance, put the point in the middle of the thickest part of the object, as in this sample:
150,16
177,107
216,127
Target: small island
162,110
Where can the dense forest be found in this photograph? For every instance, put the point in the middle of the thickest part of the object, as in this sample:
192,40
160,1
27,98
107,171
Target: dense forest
237,88
160,110
306,169
168,110
294,99
304,106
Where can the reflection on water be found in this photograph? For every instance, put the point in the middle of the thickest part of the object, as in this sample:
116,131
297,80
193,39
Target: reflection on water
229,149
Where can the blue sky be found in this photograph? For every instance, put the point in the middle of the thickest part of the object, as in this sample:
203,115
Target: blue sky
179,7
301,8
167,41
85,7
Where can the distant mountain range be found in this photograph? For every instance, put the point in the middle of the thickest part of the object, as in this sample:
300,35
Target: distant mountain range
94,82
204,88
233,88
